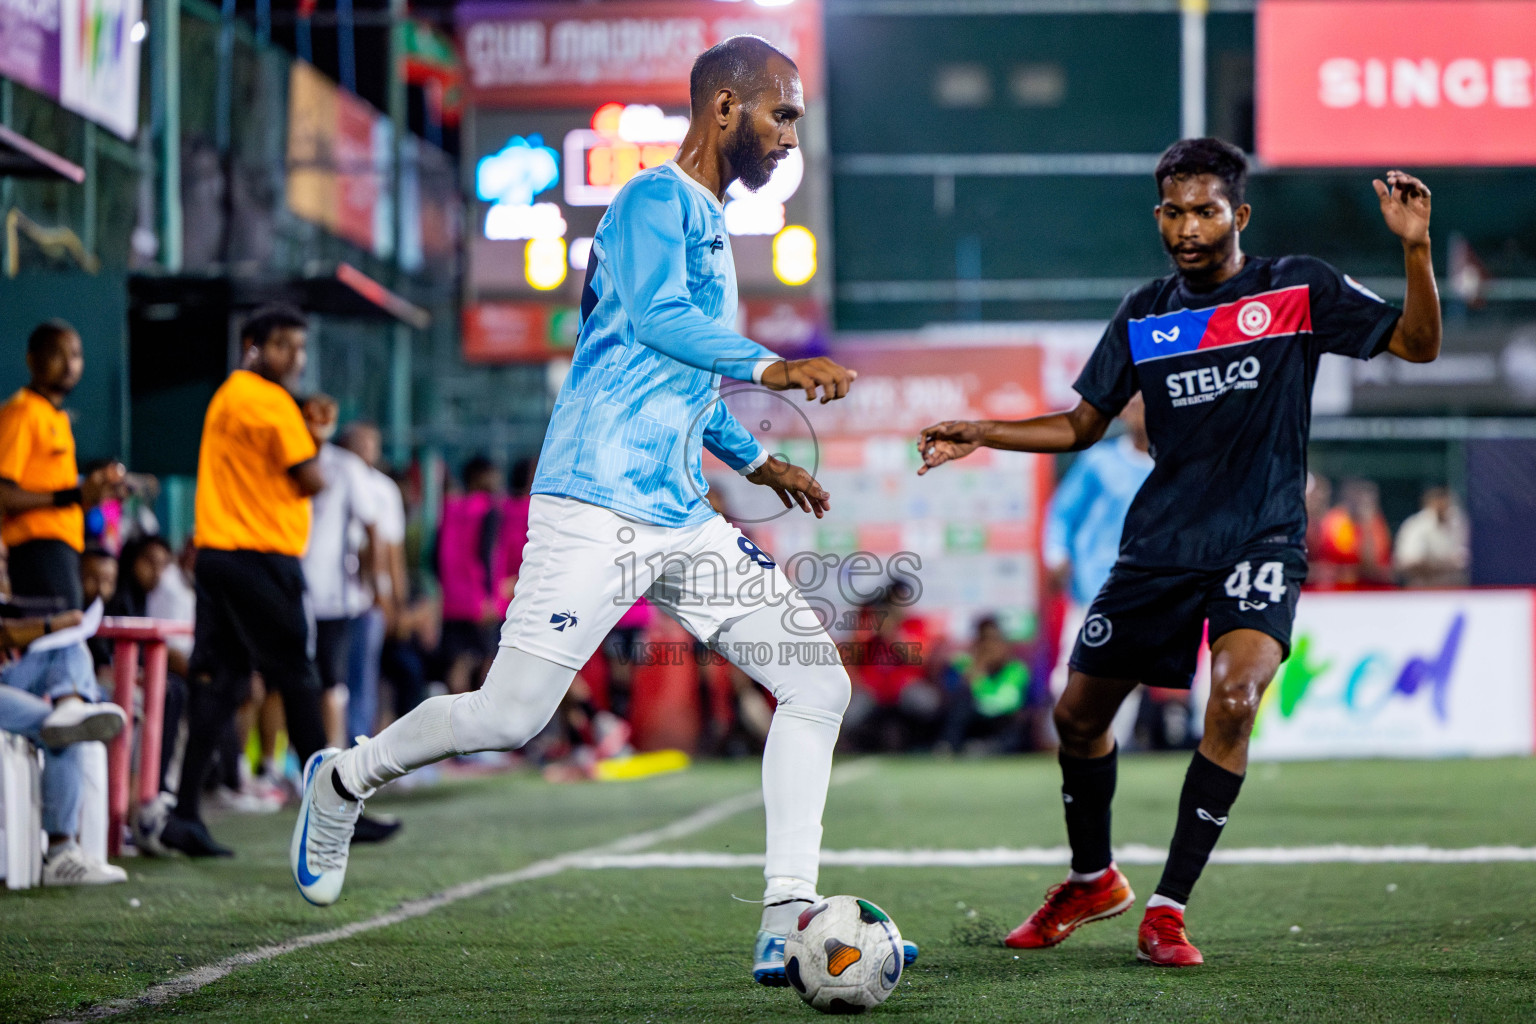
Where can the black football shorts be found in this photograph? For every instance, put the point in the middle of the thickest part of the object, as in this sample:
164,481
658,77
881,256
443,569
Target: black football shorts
1145,624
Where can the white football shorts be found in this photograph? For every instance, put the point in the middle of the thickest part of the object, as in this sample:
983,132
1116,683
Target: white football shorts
585,565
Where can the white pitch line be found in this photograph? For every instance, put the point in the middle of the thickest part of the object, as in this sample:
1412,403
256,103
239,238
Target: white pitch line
1133,853
692,824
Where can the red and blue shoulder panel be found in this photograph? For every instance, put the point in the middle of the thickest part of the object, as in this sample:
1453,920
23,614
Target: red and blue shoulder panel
1276,314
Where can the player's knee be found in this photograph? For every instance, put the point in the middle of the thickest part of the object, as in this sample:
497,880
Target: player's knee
1234,702
825,688
1074,729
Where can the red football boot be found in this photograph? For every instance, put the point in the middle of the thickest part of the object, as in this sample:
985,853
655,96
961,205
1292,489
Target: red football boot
1071,904
1163,941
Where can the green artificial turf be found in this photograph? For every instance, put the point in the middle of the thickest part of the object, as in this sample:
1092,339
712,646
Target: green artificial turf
1375,942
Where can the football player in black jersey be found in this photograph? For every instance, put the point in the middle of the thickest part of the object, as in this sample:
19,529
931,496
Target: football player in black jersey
1224,351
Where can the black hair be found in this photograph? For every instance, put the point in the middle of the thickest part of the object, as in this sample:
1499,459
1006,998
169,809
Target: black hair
46,334
738,64
1189,157
97,552
260,325
985,621
473,468
521,477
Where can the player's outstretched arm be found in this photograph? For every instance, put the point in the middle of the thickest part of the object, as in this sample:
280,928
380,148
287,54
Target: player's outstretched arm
1405,203
810,374
793,485
1068,431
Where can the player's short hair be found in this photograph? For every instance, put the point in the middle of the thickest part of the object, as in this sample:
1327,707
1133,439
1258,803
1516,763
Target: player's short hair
46,334
739,64
1190,157
267,320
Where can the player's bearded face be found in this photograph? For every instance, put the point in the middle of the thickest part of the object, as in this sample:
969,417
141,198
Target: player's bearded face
752,164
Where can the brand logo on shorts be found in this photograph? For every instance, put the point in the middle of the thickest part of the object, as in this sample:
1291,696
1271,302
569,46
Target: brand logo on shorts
1253,606
1096,631
562,619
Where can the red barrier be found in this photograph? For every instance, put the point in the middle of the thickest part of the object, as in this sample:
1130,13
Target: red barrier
128,635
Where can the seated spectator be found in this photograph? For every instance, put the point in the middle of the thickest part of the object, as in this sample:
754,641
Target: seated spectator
894,705
98,581
986,687
1355,546
1433,547
71,713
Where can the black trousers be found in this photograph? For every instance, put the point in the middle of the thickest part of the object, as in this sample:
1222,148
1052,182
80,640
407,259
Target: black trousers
47,574
250,617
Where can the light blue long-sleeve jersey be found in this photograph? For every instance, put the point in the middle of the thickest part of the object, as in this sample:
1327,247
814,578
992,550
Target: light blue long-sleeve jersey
1087,513
642,399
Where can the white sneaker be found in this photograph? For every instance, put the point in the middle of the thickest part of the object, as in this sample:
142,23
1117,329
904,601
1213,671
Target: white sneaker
75,721
323,833
242,801
70,866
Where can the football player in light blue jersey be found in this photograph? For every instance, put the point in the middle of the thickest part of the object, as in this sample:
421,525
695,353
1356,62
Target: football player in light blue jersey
619,510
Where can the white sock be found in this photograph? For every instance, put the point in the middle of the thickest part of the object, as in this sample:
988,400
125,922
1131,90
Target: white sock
1086,876
520,695
1164,901
797,767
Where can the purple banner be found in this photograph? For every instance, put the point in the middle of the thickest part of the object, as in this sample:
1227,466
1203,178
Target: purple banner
29,43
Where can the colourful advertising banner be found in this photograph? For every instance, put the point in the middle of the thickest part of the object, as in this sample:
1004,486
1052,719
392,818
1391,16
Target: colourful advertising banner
564,55
338,160
1405,674
1395,82
79,52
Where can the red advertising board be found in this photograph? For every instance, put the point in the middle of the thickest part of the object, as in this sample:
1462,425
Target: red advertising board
506,332
566,55
1396,82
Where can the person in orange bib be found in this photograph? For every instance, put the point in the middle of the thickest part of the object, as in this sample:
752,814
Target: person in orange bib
42,495
256,471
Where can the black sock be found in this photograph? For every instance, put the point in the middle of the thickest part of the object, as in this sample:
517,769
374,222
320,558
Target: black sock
1087,789
1209,793
341,790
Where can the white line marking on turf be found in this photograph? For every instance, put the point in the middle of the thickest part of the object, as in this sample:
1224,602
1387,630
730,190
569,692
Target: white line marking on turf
692,824
1132,853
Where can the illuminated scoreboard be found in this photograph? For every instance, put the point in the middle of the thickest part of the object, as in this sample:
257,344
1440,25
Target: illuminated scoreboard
554,133
543,179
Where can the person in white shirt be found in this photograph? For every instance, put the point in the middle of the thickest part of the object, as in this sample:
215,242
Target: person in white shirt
1433,544
381,589
341,536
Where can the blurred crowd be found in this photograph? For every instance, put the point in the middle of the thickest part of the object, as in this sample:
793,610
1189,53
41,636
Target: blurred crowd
394,615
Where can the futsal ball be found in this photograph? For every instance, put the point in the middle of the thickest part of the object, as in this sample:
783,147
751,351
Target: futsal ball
843,955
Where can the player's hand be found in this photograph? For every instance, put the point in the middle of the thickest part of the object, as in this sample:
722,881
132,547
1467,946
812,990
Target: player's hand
1404,206
791,482
810,374
947,441
106,483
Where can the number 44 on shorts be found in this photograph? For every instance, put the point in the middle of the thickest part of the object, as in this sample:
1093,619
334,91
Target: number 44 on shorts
1270,582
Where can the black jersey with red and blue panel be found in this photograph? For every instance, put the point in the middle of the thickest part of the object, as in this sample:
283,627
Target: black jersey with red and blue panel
1227,377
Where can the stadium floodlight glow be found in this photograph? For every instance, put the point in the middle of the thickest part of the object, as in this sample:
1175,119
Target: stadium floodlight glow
581,254
774,3
794,255
544,263
139,32
506,222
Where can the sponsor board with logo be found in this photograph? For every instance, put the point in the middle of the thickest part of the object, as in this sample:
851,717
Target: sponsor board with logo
1405,674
